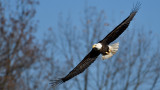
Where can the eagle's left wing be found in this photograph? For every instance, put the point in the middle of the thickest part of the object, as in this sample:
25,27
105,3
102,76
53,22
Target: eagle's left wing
121,27
84,64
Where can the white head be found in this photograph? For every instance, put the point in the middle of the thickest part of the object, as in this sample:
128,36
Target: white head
97,46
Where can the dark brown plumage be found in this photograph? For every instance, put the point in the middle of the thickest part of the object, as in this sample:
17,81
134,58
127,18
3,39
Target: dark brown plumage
121,27
91,57
85,63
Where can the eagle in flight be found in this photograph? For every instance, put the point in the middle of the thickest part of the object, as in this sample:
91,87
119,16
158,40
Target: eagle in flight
103,47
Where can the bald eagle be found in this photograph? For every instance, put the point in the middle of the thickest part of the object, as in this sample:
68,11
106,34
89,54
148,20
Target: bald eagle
103,47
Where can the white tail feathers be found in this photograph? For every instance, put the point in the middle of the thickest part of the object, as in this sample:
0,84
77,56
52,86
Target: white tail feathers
113,48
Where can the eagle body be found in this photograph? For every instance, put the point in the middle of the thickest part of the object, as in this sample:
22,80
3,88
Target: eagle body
100,47
103,47
113,48
106,51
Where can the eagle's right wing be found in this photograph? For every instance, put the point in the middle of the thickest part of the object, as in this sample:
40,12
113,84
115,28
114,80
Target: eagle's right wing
84,64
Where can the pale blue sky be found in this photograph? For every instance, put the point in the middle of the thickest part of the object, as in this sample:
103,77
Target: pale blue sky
148,15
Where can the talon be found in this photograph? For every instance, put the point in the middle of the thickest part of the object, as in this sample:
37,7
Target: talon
109,50
107,53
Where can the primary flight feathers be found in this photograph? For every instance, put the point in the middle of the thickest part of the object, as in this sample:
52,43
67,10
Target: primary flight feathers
102,47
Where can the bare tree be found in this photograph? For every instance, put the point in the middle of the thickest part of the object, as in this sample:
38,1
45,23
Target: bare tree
18,48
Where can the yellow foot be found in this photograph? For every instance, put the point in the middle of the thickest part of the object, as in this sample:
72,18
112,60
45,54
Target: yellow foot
108,52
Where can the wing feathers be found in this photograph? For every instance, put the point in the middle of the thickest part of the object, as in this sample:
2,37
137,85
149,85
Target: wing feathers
84,64
121,27
136,7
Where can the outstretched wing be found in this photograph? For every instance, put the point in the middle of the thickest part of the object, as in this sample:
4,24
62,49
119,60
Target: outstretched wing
84,64
121,27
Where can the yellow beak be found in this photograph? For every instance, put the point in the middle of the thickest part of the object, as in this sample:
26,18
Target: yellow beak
93,46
